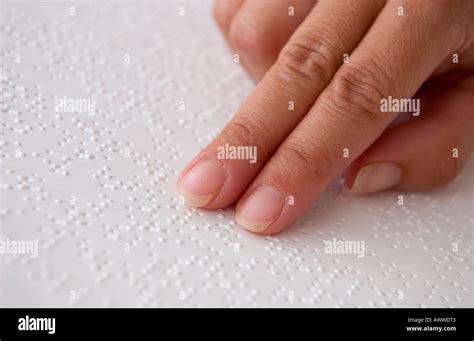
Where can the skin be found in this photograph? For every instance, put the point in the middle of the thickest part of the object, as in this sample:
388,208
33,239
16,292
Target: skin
337,108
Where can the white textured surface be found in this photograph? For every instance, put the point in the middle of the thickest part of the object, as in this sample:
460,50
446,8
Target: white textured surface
87,187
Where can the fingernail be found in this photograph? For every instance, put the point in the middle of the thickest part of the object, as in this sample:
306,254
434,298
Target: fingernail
202,183
260,209
376,177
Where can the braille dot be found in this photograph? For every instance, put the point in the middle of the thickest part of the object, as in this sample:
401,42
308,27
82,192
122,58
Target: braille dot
97,191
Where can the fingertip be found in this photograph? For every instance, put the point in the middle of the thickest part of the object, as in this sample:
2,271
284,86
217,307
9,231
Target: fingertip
259,210
376,177
201,183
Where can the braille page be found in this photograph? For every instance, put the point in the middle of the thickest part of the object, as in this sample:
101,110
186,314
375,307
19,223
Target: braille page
103,104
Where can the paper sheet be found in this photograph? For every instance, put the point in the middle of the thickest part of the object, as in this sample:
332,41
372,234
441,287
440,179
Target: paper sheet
96,187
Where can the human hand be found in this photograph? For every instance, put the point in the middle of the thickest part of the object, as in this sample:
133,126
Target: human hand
331,76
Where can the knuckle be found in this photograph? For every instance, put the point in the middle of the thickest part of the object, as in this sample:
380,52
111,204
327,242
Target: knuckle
298,155
304,156
248,39
443,5
309,57
358,91
449,14
450,166
421,6
241,131
219,13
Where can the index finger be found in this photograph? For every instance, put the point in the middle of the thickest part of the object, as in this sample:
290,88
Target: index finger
289,89
395,57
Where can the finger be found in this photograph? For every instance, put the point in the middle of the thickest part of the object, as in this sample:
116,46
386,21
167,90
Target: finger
305,66
224,11
395,57
424,152
260,29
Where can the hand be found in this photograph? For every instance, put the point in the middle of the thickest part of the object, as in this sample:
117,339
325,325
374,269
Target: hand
332,76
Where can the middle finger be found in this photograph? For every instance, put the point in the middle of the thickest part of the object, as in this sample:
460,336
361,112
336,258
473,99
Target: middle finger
213,179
